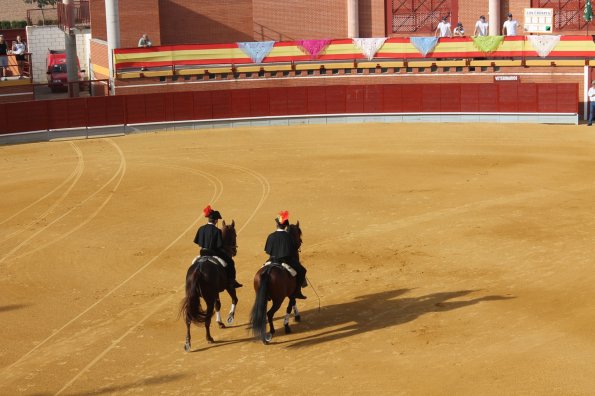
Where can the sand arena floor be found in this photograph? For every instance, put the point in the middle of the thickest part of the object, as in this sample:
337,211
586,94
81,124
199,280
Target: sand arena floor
449,259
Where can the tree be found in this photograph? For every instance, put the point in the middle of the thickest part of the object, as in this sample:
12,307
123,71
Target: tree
41,4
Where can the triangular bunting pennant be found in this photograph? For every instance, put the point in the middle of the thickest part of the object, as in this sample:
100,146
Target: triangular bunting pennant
369,46
424,45
313,47
256,50
487,44
543,45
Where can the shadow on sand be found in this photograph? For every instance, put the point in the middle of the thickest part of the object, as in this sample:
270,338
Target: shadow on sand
377,311
12,307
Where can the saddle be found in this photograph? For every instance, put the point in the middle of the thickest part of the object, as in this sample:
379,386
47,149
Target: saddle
213,259
286,266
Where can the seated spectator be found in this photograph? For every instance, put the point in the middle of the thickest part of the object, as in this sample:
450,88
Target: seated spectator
459,30
3,57
19,48
144,41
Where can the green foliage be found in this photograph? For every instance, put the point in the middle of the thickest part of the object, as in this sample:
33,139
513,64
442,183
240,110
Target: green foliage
4,25
18,24
41,3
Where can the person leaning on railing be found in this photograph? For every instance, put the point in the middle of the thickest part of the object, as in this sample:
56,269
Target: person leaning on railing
3,57
19,48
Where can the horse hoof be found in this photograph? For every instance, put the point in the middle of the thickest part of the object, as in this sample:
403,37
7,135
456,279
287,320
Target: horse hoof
297,318
267,338
221,325
287,329
210,341
230,319
187,347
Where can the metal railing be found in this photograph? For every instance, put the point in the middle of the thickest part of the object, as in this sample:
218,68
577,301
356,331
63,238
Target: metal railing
74,15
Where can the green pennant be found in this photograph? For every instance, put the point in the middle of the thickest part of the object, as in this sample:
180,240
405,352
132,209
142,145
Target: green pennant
588,14
487,44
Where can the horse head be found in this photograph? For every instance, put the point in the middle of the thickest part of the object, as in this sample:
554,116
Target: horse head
296,234
229,238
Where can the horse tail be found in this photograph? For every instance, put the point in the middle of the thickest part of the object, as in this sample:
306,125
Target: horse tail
258,316
190,307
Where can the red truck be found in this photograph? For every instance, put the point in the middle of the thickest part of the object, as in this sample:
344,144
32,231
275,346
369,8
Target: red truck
57,72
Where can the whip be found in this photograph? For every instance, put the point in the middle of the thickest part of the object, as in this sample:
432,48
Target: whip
314,290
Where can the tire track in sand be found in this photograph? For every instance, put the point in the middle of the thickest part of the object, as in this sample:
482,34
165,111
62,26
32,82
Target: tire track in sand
217,191
121,171
266,188
76,174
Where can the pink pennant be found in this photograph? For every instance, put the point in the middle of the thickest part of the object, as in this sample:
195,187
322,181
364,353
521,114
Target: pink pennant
313,47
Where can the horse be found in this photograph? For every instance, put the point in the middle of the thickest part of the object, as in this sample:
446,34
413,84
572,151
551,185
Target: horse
207,279
273,282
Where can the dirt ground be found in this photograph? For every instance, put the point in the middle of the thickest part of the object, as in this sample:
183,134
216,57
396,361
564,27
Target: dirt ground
449,259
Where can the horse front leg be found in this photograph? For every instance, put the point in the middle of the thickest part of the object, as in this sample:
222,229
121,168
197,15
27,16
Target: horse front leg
210,306
296,313
234,302
287,315
218,313
187,345
270,314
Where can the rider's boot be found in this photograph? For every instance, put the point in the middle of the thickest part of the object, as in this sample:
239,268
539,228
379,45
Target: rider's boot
235,283
298,293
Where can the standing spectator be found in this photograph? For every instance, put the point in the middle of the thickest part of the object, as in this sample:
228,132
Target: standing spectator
481,27
3,56
144,41
510,26
459,30
443,29
19,48
591,94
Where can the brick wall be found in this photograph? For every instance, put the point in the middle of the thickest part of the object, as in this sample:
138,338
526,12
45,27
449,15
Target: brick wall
14,10
205,21
98,27
469,12
300,19
40,39
371,18
99,59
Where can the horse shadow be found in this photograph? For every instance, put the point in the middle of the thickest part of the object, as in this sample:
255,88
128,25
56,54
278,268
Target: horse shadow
12,307
377,311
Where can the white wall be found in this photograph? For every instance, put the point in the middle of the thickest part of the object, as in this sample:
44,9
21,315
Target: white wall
40,39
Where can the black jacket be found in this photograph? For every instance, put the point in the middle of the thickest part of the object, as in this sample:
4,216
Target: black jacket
279,246
209,238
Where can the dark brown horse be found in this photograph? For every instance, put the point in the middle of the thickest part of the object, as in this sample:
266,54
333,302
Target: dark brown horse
207,279
273,282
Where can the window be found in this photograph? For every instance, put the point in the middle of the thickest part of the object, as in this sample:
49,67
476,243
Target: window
417,16
568,14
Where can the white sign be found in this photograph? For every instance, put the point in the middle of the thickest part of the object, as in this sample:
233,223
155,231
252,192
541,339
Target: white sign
539,20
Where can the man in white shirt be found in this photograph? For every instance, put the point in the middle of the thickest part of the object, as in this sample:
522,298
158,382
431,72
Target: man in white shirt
510,27
443,29
481,27
591,94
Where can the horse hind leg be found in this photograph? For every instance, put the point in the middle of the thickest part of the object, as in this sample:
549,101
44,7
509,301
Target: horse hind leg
270,314
296,313
187,345
210,306
218,314
287,315
234,302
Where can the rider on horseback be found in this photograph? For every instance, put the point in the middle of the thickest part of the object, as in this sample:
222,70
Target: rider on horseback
210,240
282,249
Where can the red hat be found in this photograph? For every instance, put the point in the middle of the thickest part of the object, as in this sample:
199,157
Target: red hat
283,217
210,213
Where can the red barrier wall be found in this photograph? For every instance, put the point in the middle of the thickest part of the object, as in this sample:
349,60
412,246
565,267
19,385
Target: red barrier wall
397,98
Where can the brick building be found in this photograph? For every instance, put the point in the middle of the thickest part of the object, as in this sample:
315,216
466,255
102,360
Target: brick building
175,22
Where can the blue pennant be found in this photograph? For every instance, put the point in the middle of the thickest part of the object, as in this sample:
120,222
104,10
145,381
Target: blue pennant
424,45
257,50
